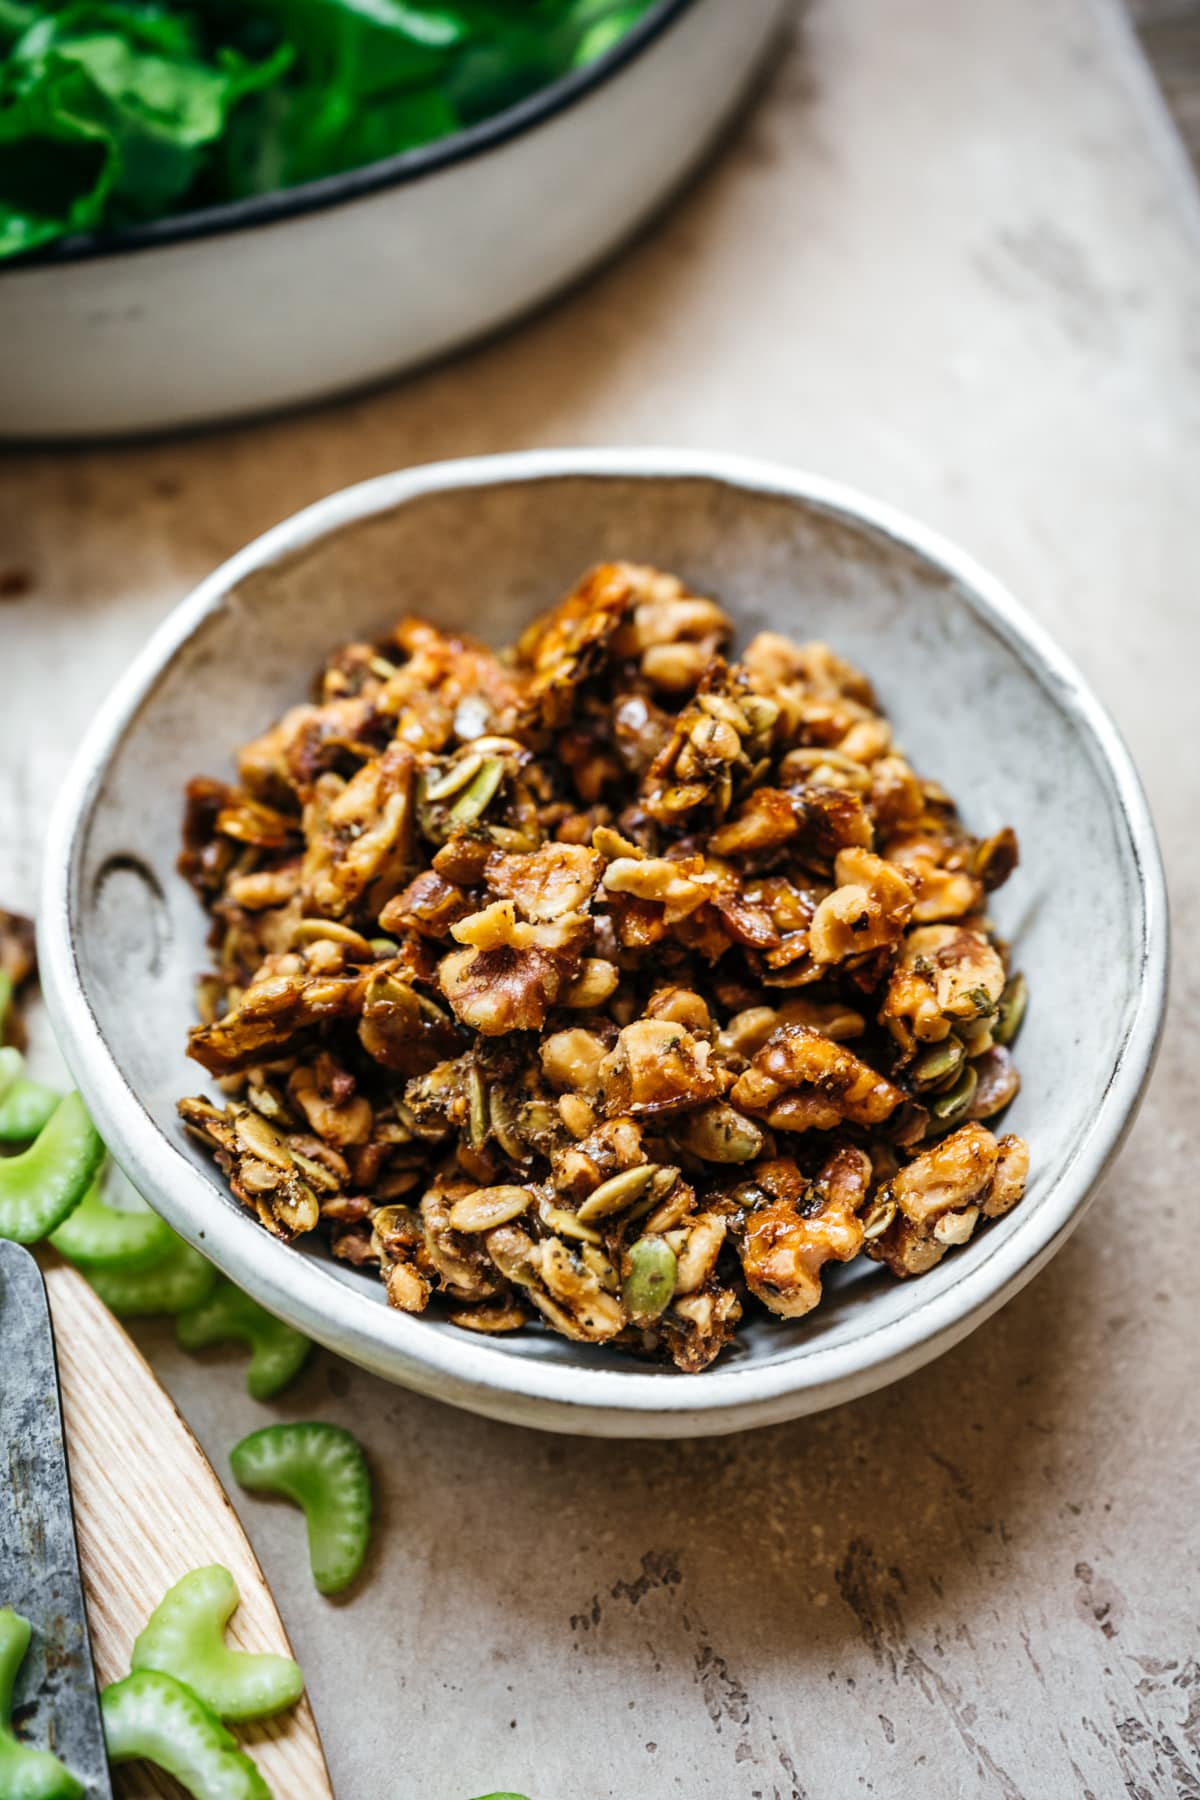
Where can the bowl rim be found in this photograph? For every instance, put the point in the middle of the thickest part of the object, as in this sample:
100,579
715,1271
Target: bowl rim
456,1366
406,166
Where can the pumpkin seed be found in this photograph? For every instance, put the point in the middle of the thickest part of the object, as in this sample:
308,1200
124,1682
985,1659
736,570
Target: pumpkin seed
618,1192
938,1065
719,706
977,1036
955,1103
594,1259
478,796
394,1222
488,1207
668,1201
720,1134
494,1316
271,1105
1012,1010
996,858
477,1109
500,746
311,931
401,1130
316,1173
296,1208
565,1224
503,1115
648,1287
397,1182
453,777
538,1125
878,1219
262,1140
760,712
383,946
664,1183
807,762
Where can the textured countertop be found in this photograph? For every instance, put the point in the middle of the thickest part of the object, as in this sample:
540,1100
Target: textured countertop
952,257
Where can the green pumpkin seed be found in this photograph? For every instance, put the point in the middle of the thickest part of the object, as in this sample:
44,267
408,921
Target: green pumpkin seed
948,1108
937,1066
565,1224
1013,1002
478,796
477,1109
661,1187
650,1283
618,1192
453,778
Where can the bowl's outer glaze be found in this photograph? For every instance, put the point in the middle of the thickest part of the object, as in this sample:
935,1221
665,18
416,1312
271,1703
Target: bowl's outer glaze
239,322
978,696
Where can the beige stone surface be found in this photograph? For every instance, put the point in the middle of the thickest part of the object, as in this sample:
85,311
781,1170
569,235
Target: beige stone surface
952,258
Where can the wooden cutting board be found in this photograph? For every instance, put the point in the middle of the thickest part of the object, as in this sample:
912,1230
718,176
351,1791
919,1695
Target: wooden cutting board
148,1508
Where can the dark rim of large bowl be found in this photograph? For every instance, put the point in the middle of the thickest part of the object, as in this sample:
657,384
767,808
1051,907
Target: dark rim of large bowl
354,184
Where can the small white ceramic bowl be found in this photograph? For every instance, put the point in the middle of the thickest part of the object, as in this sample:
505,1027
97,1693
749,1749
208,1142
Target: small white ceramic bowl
980,697
297,295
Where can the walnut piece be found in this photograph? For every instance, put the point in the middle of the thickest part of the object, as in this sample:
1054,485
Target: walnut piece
512,971
868,909
358,837
940,1195
799,1226
802,1081
946,975
656,1066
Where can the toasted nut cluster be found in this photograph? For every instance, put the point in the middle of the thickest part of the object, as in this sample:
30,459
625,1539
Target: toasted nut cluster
608,982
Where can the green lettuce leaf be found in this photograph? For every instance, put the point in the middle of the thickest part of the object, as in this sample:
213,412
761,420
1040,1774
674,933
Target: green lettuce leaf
114,111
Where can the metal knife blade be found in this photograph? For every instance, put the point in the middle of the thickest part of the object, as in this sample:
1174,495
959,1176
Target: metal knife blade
55,1705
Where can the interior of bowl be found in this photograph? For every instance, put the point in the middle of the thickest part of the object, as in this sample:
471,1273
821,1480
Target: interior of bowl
972,704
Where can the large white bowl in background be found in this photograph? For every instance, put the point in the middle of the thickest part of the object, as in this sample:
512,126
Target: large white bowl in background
980,697
301,294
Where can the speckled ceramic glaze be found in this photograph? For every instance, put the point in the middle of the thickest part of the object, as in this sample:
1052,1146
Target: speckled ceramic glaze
979,698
